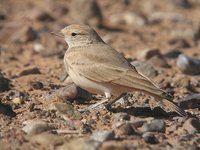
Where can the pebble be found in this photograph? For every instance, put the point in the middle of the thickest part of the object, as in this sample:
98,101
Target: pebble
188,65
87,12
172,54
40,15
192,125
119,117
74,144
137,121
69,92
68,113
178,42
159,16
66,110
6,110
156,125
47,139
92,145
182,3
4,83
37,47
35,127
17,101
37,85
149,138
158,61
146,54
125,129
145,69
29,70
23,35
128,18
190,101
102,135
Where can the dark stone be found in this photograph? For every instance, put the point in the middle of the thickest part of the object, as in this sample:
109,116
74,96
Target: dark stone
149,138
29,71
7,110
188,65
156,125
4,83
172,54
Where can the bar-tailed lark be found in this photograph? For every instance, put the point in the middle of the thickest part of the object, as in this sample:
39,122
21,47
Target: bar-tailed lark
98,68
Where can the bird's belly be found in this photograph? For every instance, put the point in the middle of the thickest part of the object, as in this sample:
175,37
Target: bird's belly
89,85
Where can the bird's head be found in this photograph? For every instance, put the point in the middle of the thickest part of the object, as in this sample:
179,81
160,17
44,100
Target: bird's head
80,35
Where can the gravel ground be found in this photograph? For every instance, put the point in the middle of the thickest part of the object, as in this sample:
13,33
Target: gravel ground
39,105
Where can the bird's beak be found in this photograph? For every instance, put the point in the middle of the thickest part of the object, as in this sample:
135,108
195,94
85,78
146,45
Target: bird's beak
59,34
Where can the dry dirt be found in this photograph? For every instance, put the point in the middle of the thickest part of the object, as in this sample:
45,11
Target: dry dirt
38,109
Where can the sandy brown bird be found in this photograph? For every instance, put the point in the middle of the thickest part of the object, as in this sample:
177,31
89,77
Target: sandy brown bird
98,68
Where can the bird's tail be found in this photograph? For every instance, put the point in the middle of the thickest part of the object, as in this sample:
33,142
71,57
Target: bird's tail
166,100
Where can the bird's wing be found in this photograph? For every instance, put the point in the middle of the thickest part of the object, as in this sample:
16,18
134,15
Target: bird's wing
109,66
116,70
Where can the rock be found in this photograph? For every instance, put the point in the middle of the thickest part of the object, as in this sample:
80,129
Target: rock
145,69
192,125
169,16
120,117
17,101
158,61
28,71
2,16
183,82
92,145
186,147
182,3
188,65
23,35
102,135
75,144
179,43
4,83
87,12
68,113
146,54
172,53
149,138
69,92
190,101
66,110
36,127
137,121
125,129
40,15
156,125
196,35
37,47
47,139
6,110
37,85
128,18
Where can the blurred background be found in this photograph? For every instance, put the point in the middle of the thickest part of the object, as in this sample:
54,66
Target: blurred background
139,29
160,37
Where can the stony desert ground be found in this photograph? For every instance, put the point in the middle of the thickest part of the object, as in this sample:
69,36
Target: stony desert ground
39,104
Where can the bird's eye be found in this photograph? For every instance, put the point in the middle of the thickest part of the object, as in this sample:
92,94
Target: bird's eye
74,34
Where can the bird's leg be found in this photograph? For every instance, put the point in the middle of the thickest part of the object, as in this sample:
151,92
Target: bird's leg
111,101
108,95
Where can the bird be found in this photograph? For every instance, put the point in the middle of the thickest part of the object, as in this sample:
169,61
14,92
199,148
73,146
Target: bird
98,68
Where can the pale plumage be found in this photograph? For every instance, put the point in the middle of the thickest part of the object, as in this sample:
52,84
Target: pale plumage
96,67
